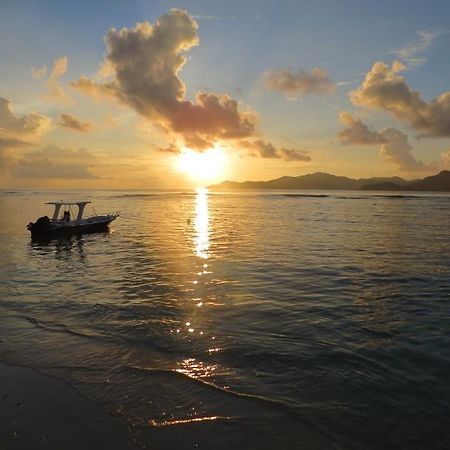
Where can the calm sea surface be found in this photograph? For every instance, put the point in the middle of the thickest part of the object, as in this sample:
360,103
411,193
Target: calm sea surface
255,320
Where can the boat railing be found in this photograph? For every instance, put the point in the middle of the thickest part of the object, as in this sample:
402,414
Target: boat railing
114,213
110,213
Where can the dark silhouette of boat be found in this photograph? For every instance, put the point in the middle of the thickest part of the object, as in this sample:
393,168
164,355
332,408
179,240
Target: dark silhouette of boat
65,224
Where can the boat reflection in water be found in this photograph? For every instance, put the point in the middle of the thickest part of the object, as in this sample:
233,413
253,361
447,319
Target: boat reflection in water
69,249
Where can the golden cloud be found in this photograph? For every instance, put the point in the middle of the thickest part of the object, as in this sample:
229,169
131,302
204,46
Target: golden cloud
384,89
71,122
18,131
267,150
55,90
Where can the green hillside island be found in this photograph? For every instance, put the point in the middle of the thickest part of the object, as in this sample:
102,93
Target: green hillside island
326,181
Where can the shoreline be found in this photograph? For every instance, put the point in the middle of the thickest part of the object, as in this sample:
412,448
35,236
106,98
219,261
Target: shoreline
42,412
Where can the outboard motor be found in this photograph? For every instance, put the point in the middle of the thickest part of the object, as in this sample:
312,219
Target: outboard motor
41,226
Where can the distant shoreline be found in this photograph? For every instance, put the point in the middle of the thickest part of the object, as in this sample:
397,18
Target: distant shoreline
326,181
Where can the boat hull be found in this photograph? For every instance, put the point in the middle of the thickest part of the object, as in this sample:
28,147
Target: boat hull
46,228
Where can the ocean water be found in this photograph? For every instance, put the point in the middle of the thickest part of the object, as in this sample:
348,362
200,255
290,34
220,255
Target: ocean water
259,320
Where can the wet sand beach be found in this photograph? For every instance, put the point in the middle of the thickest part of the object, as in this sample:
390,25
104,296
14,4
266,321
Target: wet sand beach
41,412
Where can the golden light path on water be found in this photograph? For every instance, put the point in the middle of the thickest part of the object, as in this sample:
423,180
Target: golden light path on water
192,367
201,240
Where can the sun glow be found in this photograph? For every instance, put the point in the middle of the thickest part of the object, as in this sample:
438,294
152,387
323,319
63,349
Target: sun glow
205,167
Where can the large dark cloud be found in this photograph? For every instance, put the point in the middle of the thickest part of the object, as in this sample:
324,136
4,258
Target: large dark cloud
56,163
141,69
295,83
394,146
264,149
384,89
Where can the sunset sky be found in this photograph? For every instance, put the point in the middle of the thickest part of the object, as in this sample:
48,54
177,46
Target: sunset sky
159,94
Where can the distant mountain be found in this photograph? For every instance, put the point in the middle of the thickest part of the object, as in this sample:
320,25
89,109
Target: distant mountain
318,180
312,181
386,186
326,181
439,182
393,181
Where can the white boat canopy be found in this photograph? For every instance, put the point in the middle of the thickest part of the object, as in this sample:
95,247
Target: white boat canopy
57,205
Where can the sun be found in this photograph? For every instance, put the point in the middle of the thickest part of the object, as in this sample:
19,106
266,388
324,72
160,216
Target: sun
203,167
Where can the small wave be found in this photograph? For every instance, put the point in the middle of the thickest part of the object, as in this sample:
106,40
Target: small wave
154,194
58,328
306,195
169,423
395,196
345,197
282,406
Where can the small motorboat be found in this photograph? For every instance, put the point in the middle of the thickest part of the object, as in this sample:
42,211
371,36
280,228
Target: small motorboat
68,223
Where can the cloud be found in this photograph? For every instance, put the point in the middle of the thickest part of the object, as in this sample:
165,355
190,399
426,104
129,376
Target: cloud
344,83
8,141
71,122
445,159
111,121
357,132
212,17
56,92
94,89
196,142
143,66
264,149
39,73
18,131
290,154
384,89
398,151
56,163
59,68
171,148
293,84
28,124
416,47
394,146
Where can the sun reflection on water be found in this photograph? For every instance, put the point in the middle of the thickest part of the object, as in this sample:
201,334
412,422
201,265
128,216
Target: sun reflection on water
201,240
196,369
192,326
